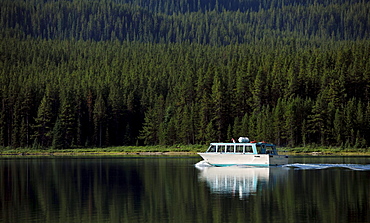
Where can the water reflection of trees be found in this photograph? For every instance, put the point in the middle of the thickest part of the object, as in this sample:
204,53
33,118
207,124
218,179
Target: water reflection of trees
74,190
170,190
98,190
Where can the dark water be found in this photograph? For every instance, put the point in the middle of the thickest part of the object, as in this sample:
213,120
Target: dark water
182,189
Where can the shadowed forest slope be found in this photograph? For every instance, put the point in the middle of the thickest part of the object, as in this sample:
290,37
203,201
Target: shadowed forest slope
126,72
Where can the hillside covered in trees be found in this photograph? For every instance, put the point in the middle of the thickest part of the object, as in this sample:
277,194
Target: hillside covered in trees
77,73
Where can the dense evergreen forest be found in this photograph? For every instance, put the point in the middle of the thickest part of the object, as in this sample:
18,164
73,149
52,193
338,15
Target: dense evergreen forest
78,73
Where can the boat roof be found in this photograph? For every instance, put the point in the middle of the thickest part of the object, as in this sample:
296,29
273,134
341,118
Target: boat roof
242,143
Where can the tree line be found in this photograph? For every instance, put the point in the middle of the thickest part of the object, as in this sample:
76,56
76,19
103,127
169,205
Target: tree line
66,83
108,20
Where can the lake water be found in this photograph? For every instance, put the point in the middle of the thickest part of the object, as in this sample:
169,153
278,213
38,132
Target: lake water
182,189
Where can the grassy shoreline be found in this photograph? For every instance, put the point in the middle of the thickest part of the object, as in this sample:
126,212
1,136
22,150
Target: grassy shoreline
313,150
187,150
120,150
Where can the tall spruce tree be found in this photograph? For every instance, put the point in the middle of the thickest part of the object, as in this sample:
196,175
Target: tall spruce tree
99,120
44,121
58,141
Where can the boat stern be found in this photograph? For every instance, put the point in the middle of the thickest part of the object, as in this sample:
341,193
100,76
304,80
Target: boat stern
277,160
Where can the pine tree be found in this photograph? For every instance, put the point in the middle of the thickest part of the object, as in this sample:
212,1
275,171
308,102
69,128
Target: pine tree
258,89
153,119
338,127
16,124
26,109
99,120
219,116
211,133
2,124
150,128
349,122
291,121
67,120
278,123
317,121
58,139
44,121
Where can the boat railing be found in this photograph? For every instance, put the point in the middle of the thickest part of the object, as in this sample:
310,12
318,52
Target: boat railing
239,148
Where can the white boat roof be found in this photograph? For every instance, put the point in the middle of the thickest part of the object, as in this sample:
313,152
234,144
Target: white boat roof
242,143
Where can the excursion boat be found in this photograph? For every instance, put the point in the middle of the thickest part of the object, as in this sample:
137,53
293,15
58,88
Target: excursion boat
243,152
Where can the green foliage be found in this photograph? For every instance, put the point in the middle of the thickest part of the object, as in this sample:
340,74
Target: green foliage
44,121
57,136
130,72
209,22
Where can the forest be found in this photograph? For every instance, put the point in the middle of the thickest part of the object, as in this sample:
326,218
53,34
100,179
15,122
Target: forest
98,73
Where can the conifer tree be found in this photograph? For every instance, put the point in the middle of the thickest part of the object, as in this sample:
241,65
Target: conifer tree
16,125
99,120
3,119
338,127
67,120
291,122
258,89
317,121
153,119
278,123
58,141
218,103
44,121
26,109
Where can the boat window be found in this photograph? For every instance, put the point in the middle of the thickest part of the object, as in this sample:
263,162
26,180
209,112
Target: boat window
260,149
230,148
239,149
221,149
248,149
212,149
270,150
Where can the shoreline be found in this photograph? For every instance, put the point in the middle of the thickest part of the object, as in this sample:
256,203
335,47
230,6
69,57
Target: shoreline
99,154
175,150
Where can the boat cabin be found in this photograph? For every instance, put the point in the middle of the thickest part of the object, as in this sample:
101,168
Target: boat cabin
242,148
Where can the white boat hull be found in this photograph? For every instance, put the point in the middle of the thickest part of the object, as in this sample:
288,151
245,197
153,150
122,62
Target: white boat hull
230,159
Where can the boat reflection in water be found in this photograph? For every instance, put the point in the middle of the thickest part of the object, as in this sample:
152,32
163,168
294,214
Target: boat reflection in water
241,181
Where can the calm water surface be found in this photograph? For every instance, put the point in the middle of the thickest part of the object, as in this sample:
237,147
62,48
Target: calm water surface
182,189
